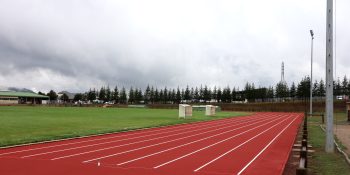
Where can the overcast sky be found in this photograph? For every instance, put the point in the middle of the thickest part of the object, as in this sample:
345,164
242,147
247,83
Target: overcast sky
75,45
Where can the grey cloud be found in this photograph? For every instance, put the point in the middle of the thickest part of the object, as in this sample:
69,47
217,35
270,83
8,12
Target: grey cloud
86,44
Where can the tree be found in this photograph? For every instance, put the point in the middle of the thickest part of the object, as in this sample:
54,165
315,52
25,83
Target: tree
219,95
234,94
270,93
348,89
156,96
102,94
303,89
315,89
187,95
108,94
173,96
147,95
116,97
138,97
337,88
64,97
165,95
321,92
214,94
131,95
344,87
52,95
192,94
123,97
91,96
178,95
201,93
40,93
78,97
196,95
282,90
206,94
292,91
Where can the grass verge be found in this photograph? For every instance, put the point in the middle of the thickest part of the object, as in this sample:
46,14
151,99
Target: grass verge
321,162
20,125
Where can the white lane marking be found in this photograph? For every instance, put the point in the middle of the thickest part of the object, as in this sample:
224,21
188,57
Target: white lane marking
245,167
99,158
169,149
151,130
222,155
85,146
191,153
102,149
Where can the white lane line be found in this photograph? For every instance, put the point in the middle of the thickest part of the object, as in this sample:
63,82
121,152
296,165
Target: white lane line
191,153
169,149
125,135
85,146
99,158
222,155
102,149
245,167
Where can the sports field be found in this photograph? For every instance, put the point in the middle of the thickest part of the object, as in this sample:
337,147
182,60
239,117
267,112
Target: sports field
256,144
32,124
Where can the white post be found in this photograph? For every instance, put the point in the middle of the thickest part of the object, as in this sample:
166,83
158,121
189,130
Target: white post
312,42
329,78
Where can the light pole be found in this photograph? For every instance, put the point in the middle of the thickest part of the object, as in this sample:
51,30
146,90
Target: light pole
312,44
329,78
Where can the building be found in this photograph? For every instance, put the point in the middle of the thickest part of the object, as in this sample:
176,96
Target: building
70,96
11,97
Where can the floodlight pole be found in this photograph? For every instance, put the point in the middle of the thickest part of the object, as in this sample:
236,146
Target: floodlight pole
329,78
312,43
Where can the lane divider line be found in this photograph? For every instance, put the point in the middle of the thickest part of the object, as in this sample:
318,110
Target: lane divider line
85,146
206,147
245,167
169,149
102,149
99,158
104,138
222,155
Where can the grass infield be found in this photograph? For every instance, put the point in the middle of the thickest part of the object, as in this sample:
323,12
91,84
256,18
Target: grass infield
19,125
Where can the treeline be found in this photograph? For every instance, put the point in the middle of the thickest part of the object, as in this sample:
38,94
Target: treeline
203,94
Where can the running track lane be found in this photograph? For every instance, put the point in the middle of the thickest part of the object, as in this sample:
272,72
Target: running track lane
257,144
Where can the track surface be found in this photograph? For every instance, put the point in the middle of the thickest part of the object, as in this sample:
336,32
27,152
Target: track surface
256,144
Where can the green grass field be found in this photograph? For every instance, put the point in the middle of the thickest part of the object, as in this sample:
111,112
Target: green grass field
322,162
20,125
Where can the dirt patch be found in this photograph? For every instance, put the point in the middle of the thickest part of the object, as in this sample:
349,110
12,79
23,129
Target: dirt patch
343,134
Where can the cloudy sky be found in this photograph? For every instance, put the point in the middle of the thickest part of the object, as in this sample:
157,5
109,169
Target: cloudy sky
75,45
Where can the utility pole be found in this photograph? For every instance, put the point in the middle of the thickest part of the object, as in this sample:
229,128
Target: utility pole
329,78
312,44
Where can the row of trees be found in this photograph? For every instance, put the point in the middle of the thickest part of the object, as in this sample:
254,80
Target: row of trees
151,94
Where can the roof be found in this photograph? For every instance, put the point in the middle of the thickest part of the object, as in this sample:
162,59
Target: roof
70,95
21,94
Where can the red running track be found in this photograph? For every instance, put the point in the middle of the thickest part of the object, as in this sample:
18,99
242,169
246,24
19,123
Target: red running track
256,144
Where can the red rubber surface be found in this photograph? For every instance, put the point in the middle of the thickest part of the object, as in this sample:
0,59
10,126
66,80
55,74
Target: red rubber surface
256,144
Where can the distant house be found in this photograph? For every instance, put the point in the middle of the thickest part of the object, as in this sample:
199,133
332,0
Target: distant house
11,97
70,96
